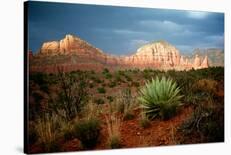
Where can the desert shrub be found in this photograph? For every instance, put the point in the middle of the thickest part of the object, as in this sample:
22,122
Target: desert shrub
121,72
67,132
147,74
97,80
127,77
125,104
118,77
114,142
160,98
108,75
206,122
105,71
101,90
87,131
46,129
72,96
112,84
110,98
66,129
99,101
113,126
206,85
91,111
135,71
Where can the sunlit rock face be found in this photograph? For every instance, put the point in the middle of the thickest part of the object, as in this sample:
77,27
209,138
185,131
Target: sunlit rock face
69,45
73,53
158,53
205,63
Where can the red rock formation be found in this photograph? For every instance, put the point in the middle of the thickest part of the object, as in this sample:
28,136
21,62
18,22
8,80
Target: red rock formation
205,63
74,53
197,62
160,52
70,45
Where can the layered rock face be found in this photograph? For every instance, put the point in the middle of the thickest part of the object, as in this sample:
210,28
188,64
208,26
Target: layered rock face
158,54
74,53
215,56
69,45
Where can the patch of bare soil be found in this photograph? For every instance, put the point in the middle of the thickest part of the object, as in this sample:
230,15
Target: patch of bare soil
133,135
160,132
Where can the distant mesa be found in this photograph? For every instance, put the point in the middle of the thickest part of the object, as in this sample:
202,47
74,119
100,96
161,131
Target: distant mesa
72,53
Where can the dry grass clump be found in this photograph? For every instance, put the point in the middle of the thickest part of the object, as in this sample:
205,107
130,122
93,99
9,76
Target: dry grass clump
113,122
206,85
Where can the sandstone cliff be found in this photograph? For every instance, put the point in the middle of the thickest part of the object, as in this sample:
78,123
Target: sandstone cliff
74,53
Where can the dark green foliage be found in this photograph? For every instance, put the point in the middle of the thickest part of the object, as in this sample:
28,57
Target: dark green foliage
127,77
67,131
108,76
112,84
115,142
118,78
207,123
101,90
110,98
99,101
97,80
73,94
105,71
146,74
207,120
87,131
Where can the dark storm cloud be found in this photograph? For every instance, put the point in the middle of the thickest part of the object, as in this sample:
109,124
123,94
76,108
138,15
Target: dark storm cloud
121,30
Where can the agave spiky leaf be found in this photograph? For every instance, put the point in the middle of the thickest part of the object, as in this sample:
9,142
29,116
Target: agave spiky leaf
160,97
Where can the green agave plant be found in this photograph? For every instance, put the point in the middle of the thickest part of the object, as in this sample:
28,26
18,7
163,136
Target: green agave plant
160,98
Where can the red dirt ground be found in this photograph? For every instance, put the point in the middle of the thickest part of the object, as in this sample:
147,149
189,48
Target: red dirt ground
133,135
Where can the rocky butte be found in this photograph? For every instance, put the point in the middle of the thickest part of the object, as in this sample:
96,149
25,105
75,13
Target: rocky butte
73,53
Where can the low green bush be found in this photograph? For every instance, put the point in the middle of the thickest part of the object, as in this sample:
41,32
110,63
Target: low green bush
87,131
99,101
101,90
110,98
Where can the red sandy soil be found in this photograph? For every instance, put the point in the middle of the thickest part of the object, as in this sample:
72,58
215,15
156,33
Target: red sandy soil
133,135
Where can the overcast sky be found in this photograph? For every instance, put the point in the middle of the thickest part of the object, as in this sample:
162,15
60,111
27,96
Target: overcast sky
121,30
